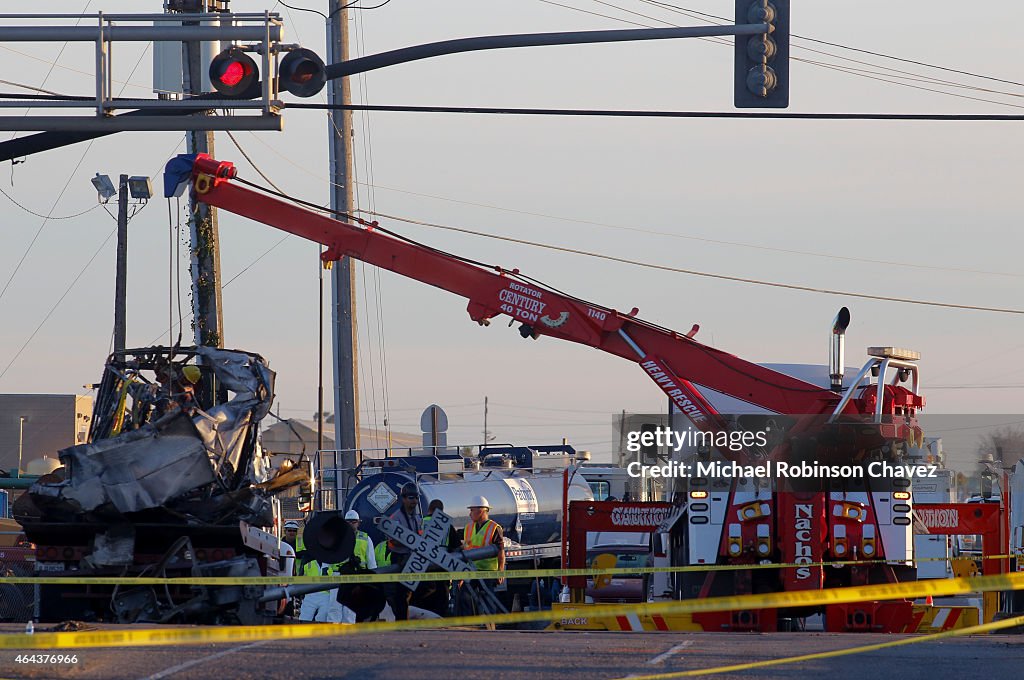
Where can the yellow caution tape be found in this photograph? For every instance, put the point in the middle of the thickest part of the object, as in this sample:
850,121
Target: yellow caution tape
973,630
809,598
428,576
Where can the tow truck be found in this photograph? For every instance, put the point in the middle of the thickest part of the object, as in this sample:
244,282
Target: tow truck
866,523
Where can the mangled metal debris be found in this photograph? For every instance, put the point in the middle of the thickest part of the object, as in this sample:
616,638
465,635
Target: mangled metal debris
174,429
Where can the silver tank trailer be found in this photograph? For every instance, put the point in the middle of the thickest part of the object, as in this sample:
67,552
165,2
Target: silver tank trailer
528,505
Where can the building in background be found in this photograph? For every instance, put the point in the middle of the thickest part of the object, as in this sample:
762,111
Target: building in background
43,424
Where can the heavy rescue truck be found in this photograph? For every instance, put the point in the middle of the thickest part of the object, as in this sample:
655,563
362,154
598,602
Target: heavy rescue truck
865,522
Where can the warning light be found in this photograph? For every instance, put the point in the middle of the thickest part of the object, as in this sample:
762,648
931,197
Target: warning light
302,73
901,495
698,494
233,73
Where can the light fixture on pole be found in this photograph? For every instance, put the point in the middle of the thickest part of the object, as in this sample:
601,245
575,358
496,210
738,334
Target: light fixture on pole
104,187
141,190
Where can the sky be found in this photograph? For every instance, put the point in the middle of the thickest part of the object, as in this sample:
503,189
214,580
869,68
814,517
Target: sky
922,210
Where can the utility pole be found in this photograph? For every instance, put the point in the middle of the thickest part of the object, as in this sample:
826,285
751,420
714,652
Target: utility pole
205,267
343,316
487,433
121,276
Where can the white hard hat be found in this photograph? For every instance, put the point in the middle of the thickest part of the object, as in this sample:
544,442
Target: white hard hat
479,502
291,524
351,514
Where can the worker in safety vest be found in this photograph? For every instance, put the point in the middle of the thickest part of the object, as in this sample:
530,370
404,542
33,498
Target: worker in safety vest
482,531
317,606
383,554
357,602
364,545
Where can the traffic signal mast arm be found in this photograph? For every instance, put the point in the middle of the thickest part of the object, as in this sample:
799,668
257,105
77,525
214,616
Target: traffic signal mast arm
676,362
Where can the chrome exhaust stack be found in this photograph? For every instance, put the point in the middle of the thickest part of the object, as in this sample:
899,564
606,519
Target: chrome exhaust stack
837,349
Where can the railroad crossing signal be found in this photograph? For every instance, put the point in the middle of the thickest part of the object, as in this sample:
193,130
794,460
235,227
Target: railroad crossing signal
426,549
233,73
762,61
302,72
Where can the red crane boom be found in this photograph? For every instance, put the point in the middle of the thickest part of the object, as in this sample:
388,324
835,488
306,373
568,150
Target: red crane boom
678,364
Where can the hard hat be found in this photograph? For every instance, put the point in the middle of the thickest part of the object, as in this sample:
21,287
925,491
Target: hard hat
479,502
191,373
291,524
351,514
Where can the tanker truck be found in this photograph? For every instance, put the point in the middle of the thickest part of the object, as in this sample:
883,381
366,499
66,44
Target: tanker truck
524,486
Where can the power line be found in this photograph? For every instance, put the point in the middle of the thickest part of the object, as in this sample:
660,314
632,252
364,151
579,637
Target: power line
611,258
977,387
620,113
693,272
47,217
874,76
847,47
57,304
606,225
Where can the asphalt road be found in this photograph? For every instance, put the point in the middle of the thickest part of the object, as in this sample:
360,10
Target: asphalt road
510,655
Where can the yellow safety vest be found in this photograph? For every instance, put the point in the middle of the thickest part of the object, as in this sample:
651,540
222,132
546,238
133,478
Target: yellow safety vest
479,539
382,554
314,569
362,548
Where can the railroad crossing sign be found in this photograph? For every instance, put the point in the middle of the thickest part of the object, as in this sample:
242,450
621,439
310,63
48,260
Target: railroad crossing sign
426,549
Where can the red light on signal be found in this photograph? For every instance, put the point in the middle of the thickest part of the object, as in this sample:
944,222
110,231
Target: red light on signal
233,73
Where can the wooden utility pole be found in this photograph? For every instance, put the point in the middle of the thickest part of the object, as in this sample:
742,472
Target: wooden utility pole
207,310
121,276
343,316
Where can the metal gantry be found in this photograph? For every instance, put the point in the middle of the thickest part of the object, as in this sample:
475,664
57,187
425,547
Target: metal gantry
257,32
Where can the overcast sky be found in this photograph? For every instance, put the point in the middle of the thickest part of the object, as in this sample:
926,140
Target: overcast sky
924,210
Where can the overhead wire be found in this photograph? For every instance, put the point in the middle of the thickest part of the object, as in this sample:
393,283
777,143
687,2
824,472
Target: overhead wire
914,76
53,308
680,270
47,217
641,230
368,159
693,272
892,73
684,10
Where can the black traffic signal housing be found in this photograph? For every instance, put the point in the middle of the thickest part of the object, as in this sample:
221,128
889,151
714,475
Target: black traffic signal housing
762,61
302,72
233,73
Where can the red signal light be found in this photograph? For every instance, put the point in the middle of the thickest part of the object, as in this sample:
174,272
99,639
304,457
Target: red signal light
233,73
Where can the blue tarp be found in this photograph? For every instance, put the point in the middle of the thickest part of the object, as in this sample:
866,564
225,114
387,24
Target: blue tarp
178,172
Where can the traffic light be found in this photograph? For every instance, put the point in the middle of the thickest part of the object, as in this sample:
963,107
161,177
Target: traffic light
233,73
302,73
762,61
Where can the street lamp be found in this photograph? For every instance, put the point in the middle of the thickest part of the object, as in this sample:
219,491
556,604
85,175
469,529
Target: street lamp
21,440
141,189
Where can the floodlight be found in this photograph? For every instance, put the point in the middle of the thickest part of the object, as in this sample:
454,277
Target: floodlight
104,187
140,187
